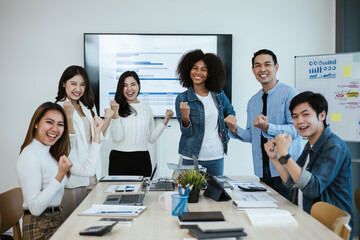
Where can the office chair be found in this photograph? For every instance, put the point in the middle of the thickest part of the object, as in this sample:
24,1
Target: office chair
11,211
333,218
357,200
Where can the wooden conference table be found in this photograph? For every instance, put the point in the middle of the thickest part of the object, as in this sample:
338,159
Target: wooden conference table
157,223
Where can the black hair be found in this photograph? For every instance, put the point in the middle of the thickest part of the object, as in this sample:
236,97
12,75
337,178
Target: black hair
88,97
124,107
264,51
216,79
315,100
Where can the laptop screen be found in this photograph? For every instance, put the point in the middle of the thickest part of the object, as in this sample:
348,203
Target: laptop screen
153,173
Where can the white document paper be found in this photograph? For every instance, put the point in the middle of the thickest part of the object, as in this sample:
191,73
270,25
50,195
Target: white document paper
270,217
123,188
241,205
121,178
254,196
113,210
235,184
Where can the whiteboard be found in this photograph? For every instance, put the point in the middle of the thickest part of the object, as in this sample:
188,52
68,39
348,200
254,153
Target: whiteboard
337,77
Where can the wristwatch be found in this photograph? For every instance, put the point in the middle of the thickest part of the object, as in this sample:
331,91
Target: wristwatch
284,159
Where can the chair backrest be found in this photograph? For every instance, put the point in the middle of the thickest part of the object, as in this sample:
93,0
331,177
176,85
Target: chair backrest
332,217
11,211
357,198
345,234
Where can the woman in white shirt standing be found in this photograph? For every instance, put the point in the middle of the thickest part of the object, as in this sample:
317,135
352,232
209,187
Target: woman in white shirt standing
77,98
43,165
132,129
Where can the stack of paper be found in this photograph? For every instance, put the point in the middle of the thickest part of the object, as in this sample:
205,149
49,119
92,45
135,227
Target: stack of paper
241,205
113,210
121,178
270,217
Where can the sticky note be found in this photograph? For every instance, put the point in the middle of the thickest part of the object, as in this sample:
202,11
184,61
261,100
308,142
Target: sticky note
347,71
335,117
352,94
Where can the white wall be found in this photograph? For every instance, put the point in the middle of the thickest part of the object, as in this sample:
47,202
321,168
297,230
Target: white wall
40,38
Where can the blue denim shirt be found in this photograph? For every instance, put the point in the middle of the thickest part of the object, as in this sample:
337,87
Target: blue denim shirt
192,135
327,177
280,121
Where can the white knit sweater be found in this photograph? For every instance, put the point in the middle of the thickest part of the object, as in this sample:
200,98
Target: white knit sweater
36,170
135,132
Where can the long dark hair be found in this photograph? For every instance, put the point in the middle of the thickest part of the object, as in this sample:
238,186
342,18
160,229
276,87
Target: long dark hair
216,79
124,107
88,98
62,145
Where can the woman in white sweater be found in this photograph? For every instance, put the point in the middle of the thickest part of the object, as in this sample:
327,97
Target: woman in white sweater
132,129
77,98
43,165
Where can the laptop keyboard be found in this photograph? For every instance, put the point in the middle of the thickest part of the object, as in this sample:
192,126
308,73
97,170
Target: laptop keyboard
164,185
167,186
131,198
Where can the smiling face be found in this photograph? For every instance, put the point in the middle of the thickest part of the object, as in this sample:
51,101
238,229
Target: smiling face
307,122
50,128
199,73
131,89
75,87
265,70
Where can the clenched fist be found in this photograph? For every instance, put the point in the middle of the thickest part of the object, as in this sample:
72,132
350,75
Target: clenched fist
185,113
64,164
68,108
108,114
231,121
261,122
115,107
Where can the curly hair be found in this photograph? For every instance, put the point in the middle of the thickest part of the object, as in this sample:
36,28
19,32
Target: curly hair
216,79
125,109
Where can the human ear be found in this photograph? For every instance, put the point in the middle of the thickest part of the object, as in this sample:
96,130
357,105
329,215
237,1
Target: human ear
322,116
276,67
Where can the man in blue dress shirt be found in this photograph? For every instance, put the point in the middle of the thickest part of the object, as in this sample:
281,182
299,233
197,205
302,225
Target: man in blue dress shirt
268,115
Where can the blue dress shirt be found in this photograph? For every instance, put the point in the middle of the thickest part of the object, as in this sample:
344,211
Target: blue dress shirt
279,119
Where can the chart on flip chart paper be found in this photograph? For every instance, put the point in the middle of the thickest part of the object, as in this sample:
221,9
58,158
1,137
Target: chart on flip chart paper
337,77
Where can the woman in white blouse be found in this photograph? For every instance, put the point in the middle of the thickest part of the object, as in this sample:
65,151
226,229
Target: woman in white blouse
43,169
132,129
77,98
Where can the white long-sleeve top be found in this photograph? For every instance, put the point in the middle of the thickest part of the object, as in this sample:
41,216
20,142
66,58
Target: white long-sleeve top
80,147
135,132
37,169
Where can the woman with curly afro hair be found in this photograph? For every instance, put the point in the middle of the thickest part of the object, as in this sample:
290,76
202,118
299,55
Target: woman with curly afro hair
201,110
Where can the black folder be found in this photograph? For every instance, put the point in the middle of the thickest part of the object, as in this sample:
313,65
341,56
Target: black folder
201,216
196,232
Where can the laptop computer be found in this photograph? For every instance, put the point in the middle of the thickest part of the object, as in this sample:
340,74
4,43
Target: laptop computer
164,185
129,199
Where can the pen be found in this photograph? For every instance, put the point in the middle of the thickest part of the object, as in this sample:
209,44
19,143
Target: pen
180,190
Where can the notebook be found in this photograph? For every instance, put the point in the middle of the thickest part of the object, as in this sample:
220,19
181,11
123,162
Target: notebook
128,199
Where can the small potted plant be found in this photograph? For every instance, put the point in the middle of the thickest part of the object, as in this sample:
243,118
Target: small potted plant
195,180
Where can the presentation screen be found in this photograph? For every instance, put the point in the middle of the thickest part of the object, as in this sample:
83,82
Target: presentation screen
154,57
